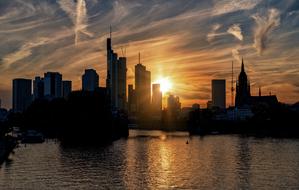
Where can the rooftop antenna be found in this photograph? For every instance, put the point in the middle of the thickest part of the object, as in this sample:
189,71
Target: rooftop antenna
260,92
232,88
110,32
139,57
123,51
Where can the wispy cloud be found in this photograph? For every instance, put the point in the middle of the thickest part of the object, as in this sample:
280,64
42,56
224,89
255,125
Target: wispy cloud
77,12
40,36
228,6
264,25
24,51
212,34
236,54
236,31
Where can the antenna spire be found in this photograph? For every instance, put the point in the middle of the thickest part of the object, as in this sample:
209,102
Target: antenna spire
260,91
139,57
232,88
110,32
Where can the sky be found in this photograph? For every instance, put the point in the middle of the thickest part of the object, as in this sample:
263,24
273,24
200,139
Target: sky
190,42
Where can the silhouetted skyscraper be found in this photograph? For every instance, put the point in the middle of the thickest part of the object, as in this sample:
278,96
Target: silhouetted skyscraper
116,81
67,88
22,97
157,98
38,88
219,93
173,105
90,80
131,99
53,85
142,87
121,84
242,89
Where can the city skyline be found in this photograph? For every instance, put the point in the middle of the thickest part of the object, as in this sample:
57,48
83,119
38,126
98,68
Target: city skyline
215,33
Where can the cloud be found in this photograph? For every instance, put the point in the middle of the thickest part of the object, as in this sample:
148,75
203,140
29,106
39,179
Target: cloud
78,14
228,6
212,34
264,25
236,31
24,51
236,55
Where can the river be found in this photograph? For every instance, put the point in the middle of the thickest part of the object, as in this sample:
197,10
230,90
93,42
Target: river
157,160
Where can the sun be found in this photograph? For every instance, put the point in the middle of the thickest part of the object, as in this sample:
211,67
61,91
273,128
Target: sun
165,85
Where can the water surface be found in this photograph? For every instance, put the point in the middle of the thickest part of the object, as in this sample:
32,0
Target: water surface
157,160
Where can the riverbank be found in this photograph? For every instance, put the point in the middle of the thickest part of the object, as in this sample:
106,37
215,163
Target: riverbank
7,144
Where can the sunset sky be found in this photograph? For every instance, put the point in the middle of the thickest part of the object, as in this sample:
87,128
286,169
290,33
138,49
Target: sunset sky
189,42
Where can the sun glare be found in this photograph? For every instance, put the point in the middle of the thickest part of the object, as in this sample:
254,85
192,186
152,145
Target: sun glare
165,84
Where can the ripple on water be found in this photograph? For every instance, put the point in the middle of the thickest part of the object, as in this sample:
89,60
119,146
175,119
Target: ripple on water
157,160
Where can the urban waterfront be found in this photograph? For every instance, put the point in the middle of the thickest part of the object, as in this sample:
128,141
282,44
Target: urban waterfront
157,160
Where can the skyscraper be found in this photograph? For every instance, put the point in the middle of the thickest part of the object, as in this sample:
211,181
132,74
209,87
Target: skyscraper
219,93
90,80
142,87
38,88
173,105
131,100
53,85
121,83
22,97
66,88
116,81
242,89
157,98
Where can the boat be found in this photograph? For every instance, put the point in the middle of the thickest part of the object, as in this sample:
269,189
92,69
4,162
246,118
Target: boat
32,136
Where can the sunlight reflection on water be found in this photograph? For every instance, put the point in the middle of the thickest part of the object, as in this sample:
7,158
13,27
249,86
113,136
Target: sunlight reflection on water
157,160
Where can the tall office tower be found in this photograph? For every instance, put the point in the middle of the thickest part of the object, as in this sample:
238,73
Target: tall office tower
242,88
173,104
53,85
116,81
110,55
219,93
121,83
142,87
38,88
90,80
131,100
157,99
22,96
66,88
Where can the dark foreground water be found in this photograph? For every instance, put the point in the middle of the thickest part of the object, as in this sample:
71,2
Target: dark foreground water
157,160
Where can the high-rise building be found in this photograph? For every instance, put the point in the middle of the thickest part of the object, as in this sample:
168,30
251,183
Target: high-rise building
131,100
218,93
116,82
38,88
66,88
157,99
173,105
90,80
242,89
22,97
142,87
121,83
53,85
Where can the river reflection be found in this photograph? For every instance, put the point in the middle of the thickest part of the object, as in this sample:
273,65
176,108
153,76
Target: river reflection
157,160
